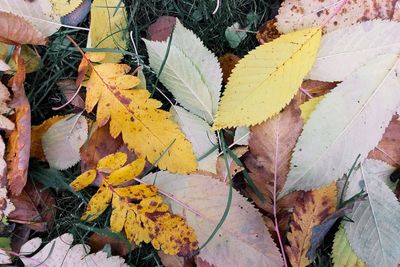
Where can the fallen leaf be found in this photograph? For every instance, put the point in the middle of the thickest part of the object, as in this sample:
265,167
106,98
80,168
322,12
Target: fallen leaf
5,123
59,251
118,246
161,29
63,8
243,229
68,88
145,128
342,253
6,206
299,14
309,211
235,35
78,15
308,107
267,32
242,136
30,57
34,207
107,28
62,141
170,260
253,97
4,66
234,168
37,134
228,62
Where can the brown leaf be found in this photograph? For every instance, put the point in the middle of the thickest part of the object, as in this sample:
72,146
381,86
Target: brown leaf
19,237
317,88
17,30
227,62
234,168
388,149
171,260
118,246
68,88
267,32
19,142
33,207
161,29
202,263
310,210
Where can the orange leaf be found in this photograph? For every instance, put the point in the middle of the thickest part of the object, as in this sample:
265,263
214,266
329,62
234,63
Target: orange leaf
267,32
310,210
227,62
17,30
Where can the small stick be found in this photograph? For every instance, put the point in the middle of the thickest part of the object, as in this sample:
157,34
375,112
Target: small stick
217,7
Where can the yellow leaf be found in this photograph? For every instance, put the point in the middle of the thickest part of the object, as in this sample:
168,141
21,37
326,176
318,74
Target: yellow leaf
107,28
145,128
112,162
98,203
265,80
126,173
95,56
311,210
83,180
308,107
62,7
36,136
119,213
137,192
342,253
30,57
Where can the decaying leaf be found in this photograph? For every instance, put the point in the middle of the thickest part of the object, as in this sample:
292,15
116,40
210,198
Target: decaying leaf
107,28
145,128
228,62
62,141
62,8
39,13
342,253
309,211
234,168
118,246
267,32
374,233
5,123
68,88
137,209
161,29
37,134
30,57
331,139
300,14
243,229
258,88
60,252
6,206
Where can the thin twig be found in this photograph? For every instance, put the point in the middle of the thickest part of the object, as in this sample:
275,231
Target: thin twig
304,91
70,100
217,7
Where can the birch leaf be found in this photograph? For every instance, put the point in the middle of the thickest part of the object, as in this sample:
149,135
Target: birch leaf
335,60
342,253
199,133
60,252
194,84
107,28
299,14
375,233
145,128
38,12
243,230
258,87
62,141
332,139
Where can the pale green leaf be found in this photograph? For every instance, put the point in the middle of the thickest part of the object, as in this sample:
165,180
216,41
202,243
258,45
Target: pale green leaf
235,35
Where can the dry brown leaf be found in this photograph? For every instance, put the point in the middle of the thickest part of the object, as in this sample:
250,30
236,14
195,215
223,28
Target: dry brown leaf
161,29
68,88
267,32
17,30
174,261
19,142
234,168
317,88
301,14
310,210
118,246
228,62
388,149
34,207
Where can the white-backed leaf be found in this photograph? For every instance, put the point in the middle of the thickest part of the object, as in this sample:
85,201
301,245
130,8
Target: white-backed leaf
348,122
344,50
242,136
38,12
191,72
198,132
59,252
243,239
375,233
62,141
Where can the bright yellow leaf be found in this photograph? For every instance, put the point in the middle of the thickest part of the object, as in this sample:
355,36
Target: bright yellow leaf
265,80
308,107
108,28
137,192
62,7
112,162
83,180
145,128
98,203
36,136
95,56
126,173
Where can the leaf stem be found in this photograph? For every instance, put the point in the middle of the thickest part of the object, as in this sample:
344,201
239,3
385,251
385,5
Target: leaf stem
334,13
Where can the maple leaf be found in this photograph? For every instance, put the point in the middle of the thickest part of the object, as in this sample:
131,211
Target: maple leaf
258,88
137,209
309,211
145,128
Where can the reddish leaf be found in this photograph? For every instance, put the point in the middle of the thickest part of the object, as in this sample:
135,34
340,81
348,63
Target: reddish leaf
20,236
118,246
34,208
16,30
161,29
19,142
228,62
